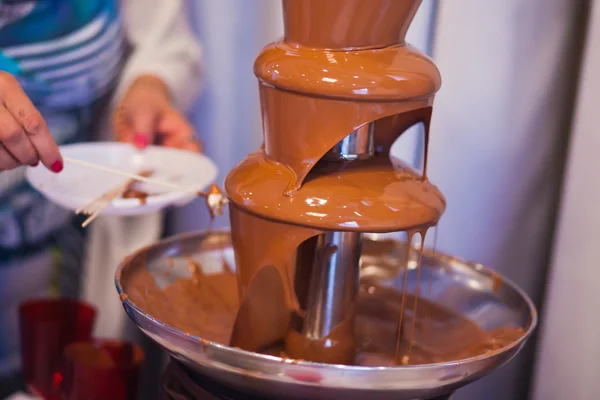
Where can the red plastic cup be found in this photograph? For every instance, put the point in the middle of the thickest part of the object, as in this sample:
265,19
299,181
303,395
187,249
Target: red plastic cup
47,327
101,370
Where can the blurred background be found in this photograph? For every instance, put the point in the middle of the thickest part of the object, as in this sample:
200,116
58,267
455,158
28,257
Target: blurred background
518,100
514,149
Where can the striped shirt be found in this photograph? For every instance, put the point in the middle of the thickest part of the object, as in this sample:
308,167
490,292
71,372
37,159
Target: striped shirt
66,54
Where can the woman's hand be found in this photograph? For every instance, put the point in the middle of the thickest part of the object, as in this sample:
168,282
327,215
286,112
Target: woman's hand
146,116
24,135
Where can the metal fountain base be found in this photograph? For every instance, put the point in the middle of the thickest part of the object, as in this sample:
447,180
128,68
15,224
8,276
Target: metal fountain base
470,289
180,383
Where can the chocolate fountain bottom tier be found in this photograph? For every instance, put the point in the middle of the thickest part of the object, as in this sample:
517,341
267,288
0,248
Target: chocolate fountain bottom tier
469,291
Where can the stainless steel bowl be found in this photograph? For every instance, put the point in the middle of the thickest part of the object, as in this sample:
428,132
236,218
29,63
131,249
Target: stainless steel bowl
468,288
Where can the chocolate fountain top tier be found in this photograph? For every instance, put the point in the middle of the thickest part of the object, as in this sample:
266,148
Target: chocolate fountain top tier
342,66
347,24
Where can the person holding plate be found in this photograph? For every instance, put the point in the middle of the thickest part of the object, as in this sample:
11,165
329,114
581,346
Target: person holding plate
74,71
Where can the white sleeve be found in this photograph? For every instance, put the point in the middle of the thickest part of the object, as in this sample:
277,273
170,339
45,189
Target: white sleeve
163,45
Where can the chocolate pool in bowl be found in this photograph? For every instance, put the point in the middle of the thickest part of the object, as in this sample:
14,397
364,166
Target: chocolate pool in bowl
182,293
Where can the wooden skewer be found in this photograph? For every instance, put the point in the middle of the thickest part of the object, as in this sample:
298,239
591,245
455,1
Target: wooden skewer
133,176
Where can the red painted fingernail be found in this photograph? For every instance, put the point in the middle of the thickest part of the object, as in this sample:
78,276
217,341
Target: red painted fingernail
35,164
56,166
140,140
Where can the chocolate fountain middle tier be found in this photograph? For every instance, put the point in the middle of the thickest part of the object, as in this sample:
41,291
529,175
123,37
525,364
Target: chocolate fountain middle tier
376,195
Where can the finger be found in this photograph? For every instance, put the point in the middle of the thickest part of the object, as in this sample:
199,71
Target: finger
15,140
7,161
173,124
143,119
175,131
36,130
121,127
193,145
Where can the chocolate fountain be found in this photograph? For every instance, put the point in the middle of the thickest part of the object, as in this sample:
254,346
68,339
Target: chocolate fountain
307,298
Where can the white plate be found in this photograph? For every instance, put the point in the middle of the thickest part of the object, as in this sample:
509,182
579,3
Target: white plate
76,185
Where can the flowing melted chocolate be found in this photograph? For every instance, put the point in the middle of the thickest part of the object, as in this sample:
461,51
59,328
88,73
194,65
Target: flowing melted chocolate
206,306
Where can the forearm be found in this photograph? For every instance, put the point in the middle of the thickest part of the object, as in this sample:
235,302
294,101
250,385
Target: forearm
164,49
